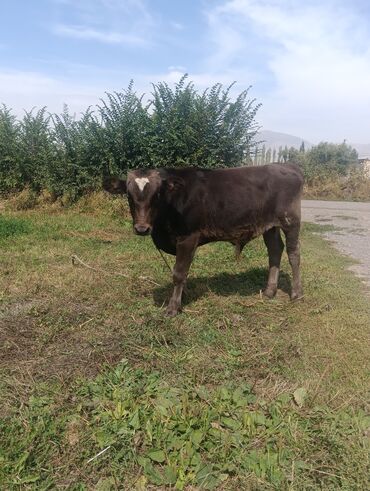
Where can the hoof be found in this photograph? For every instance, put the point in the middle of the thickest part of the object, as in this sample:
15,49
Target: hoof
296,296
172,312
269,292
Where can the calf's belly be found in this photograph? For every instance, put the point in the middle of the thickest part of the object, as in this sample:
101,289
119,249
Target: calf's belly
237,236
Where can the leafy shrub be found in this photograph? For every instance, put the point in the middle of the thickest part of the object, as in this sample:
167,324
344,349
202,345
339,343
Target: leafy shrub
355,186
208,129
80,155
35,149
126,131
9,158
180,126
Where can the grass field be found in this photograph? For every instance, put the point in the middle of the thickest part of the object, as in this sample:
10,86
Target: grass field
236,393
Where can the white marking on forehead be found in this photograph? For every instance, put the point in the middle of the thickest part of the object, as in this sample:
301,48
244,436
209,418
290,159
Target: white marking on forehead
141,182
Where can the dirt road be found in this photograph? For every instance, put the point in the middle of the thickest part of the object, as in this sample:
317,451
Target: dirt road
352,234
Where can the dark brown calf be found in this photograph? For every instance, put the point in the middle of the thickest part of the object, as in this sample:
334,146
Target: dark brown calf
183,209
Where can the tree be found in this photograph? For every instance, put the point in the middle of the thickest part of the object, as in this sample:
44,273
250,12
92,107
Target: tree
255,157
285,154
326,158
280,154
263,154
268,156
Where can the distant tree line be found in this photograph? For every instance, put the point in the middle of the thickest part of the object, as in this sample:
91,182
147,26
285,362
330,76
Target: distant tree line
177,127
320,161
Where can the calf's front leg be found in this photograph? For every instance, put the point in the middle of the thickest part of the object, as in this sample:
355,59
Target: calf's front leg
185,250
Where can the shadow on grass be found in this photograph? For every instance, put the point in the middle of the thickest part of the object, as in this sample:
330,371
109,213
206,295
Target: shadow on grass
224,284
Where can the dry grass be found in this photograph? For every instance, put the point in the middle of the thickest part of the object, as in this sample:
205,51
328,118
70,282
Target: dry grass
354,187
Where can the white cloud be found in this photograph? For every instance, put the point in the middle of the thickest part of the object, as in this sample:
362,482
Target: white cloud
177,68
126,22
177,26
89,34
22,90
317,54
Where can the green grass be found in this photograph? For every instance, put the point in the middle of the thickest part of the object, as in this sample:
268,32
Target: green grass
12,226
235,393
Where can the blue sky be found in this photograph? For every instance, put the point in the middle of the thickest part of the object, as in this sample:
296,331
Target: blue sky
308,61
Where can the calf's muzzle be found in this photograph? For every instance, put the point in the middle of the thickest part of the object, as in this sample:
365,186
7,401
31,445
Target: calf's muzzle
142,229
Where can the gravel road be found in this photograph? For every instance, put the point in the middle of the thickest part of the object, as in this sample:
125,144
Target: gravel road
352,236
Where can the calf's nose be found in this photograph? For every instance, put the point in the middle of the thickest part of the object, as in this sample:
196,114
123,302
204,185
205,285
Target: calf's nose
142,229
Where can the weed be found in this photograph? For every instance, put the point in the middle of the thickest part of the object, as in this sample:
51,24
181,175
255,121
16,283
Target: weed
142,429
10,227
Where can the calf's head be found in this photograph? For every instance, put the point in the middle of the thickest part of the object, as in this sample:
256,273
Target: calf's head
143,189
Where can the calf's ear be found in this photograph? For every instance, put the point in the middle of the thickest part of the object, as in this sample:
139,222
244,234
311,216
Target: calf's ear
114,185
174,183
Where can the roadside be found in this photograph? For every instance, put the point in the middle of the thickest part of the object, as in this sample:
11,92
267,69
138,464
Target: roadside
349,229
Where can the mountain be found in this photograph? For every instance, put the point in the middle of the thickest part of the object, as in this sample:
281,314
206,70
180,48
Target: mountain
274,139
363,149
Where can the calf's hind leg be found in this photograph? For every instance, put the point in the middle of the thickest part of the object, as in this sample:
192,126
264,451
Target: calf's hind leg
275,247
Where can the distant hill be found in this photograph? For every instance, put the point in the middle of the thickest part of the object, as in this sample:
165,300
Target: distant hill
363,149
274,139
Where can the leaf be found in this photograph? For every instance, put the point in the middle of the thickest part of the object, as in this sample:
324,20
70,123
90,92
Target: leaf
240,399
259,418
225,394
161,409
143,461
30,479
21,461
157,456
202,392
196,460
154,476
170,474
135,421
231,423
209,479
196,437
203,473
299,396
103,439
105,484
141,483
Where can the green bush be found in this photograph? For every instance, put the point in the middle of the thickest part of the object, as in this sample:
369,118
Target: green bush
9,157
205,129
176,127
80,154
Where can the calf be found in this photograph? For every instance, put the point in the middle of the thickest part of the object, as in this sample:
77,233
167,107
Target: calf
183,209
